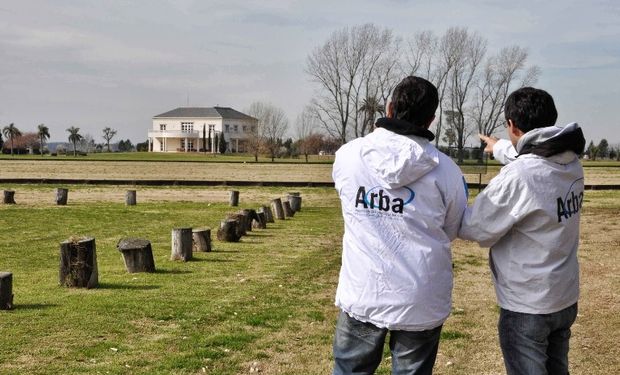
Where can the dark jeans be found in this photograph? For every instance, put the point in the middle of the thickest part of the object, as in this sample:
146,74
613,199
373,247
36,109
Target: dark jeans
358,348
536,343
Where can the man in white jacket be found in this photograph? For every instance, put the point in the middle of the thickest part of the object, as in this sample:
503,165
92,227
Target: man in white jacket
402,203
529,216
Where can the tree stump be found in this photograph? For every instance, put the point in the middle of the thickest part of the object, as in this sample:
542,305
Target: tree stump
260,222
234,198
9,197
181,244
241,226
137,254
267,212
202,239
294,193
130,198
278,209
228,231
62,195
295,201
78,263
288,212
6,291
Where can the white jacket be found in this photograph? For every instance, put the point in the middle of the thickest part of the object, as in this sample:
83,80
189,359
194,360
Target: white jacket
402,203
529,216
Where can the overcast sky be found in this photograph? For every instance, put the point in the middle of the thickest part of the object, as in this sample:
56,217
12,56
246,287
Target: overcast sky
93,63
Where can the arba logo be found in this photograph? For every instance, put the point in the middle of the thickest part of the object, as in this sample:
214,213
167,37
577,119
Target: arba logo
377,198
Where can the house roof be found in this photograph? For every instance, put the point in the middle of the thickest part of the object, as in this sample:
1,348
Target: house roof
208,112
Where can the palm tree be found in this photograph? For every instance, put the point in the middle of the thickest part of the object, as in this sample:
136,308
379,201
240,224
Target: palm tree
74,137
370,107
43,133
11,132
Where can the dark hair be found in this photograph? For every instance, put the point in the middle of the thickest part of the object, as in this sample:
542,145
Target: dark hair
415,100
530,108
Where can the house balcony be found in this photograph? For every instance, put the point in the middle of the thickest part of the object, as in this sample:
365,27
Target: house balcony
174,134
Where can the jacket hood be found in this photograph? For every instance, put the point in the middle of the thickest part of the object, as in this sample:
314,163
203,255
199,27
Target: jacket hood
552,140
398,160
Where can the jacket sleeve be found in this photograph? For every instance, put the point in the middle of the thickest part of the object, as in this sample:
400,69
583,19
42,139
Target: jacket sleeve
504,151
494,211
456,205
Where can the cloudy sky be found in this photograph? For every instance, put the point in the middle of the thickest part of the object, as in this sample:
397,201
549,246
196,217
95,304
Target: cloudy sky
93,63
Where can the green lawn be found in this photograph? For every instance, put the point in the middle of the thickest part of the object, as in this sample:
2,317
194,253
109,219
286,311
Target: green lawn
219,312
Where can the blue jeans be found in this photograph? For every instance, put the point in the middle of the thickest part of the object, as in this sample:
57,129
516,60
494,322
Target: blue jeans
358,348
536,344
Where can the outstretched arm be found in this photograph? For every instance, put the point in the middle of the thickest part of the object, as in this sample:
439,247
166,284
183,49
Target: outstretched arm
502,149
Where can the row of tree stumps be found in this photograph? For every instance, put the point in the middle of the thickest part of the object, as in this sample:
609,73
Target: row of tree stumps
62,197
78,256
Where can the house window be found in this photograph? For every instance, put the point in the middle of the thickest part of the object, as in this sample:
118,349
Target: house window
190,144
162,127
253,129
235,128
161,146
245,128
226,128
187,127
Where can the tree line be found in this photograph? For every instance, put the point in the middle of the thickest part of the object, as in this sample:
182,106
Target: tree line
357,68
17,142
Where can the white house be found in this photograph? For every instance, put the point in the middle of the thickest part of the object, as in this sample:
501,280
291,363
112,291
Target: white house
187,129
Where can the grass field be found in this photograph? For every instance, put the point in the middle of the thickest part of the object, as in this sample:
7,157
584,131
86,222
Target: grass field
265,303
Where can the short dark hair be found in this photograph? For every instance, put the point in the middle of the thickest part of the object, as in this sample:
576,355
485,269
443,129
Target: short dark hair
415,100
530,108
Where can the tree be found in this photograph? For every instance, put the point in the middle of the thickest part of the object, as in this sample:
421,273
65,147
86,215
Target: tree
1,141
255,138
43,133
74,137
370,108
592,151
467,50
272,124
603,149
125,146
353,64
11,132
108,134
222,145
501,75
204,138
306,129
449,137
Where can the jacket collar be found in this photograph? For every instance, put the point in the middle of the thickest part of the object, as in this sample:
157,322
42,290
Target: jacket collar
552,140
403,127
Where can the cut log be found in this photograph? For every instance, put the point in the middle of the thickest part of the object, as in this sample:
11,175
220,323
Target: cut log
295,201
181,244
278,209
234,198
201,239
268,214
241,226
78,263
130,198
62,195
288,212
294,193
6,291
9,197
137,254
260,222
228,231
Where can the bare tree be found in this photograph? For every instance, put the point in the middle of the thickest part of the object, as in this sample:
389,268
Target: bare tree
254,140
351,66
306,125
468,50
272,124
108,134
501,74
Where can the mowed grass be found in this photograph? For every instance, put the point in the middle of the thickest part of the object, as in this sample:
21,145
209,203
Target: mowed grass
265,303
223,311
